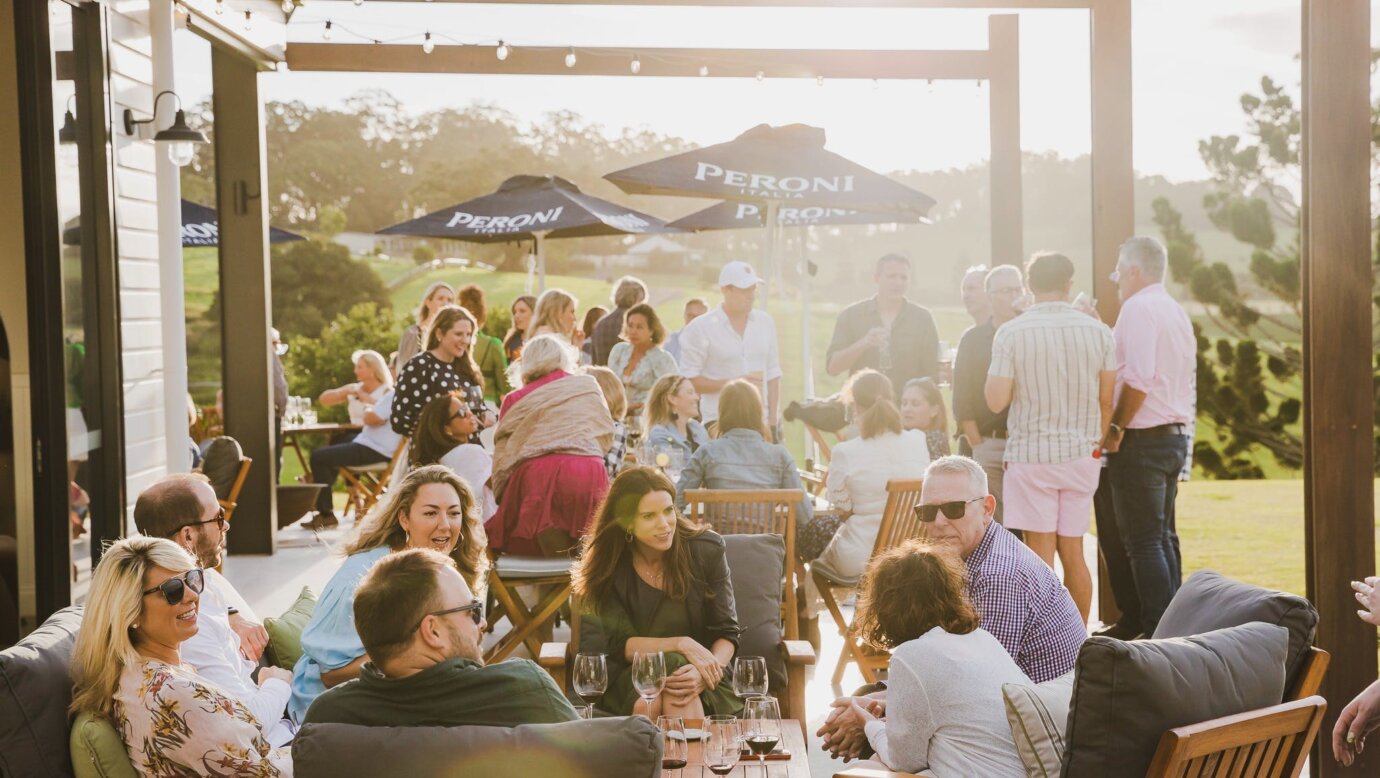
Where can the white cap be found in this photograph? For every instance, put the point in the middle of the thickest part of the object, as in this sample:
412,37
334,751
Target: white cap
739,274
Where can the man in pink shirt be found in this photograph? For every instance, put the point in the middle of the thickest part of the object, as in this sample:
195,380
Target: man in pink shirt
1147,441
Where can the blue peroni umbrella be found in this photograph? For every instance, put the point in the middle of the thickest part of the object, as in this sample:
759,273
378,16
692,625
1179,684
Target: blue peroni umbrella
535,207
200,227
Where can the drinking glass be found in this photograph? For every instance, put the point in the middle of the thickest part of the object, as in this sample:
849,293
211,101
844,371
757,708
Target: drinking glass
675,749
474,397
722,744
591,678
761,727
675,464
649,675
750,676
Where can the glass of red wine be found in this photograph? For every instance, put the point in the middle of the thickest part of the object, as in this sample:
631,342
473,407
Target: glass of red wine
722,743
675,749
761,727
590,678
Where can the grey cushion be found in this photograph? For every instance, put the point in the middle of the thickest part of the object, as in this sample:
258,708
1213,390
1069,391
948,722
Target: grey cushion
623,746
35,690
1210,600
532,566
1126,694
756,565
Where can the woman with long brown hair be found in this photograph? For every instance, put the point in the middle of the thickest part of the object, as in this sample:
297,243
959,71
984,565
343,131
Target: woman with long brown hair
430,508
923,408
437,296
487,350
913,602
445,366
652,581
442,438
521,310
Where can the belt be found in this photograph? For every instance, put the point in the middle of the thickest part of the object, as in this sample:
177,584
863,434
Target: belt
1163,430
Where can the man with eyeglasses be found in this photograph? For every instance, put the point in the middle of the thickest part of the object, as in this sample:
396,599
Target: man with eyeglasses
420,626
983,431
229,640
1021,602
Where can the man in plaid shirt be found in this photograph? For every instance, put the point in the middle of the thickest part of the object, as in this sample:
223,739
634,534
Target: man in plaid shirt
1021,602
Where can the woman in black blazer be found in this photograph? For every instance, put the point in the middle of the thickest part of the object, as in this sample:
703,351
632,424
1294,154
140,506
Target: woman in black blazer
651,581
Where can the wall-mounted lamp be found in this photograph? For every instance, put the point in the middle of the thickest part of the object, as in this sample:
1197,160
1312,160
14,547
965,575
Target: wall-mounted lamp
68,133
179,139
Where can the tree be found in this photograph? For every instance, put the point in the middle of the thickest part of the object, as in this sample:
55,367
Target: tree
315,363
1247,390
423,254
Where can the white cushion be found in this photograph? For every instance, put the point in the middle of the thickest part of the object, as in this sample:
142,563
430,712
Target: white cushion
1038,714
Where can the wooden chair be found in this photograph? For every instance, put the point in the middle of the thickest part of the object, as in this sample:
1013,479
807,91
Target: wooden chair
1270,742
366,483
899,523
750,512
506,573
231,500
818,438
1310,677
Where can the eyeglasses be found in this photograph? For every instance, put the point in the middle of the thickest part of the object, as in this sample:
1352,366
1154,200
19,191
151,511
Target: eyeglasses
460,414
475,608
219,518
175,588
955,509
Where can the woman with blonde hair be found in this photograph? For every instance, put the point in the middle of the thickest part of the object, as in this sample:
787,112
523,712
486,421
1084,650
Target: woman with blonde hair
549,449
555,315
371,405
859,469
437,296
913,602
740,456
669,417
430,508
521,310
128,669
617,401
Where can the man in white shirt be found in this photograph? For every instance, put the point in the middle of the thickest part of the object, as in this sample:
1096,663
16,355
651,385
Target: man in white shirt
229,640
730,342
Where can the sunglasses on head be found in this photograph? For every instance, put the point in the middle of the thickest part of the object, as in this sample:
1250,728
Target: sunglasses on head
175,588
476,610
955,509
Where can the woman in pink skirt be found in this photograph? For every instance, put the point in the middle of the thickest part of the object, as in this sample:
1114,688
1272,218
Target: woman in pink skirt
549,449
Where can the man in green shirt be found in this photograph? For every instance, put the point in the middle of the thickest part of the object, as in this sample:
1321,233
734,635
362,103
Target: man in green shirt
420,626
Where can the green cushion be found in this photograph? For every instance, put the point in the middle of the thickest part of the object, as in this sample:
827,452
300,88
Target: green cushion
285,632
97,751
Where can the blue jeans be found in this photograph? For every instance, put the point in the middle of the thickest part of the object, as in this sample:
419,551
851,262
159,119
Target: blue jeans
1144,476
326,462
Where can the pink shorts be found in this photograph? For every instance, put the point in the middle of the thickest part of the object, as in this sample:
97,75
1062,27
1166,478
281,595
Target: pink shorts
1050,498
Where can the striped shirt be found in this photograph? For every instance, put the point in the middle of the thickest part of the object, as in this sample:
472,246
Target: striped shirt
1023,605
1054,353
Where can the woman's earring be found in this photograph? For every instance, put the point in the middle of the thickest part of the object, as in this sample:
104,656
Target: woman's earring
630,536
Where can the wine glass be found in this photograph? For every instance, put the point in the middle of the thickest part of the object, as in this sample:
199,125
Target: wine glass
675,749
750,676
722,744
591,678
649,675
761,727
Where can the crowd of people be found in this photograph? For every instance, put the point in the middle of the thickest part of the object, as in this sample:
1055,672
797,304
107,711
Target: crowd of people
582,442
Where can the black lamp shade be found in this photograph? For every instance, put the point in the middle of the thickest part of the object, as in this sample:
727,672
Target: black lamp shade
179,131
68,132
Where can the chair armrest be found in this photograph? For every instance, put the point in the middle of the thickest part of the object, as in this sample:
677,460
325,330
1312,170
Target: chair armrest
553,659
863,772
799,652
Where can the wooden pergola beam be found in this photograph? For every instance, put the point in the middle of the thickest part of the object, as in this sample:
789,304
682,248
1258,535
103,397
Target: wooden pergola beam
655,62
986,5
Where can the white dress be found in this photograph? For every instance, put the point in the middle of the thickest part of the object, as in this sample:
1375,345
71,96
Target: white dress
474,464
858,473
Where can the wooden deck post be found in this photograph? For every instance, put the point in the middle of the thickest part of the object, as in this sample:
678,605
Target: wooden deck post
1003,43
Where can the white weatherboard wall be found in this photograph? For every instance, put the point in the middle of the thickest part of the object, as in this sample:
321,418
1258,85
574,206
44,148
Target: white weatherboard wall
136,220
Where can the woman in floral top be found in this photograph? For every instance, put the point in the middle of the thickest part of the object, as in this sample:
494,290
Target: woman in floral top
144,599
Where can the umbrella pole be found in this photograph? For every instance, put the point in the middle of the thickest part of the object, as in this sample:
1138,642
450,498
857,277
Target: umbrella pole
769,250
540,239
811,451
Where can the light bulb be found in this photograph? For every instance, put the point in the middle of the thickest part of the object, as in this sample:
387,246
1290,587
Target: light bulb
428,45
876,84
502,51
248,21
704,70
181,152
930,86
358,3
819,80
636,66
220,7
570,58
761,76
289,6
326,33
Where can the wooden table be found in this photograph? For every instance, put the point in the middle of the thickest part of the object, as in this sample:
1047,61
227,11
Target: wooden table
293,431
793,738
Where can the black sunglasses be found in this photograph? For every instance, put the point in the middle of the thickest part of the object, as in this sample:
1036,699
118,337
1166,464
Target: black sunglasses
175,588
475,608
955,509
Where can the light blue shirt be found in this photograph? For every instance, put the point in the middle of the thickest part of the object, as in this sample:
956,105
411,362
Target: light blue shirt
668,434
656,363
330,640
381,438
743,459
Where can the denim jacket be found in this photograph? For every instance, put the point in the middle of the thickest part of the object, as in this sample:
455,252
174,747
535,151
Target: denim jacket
667,433
742,459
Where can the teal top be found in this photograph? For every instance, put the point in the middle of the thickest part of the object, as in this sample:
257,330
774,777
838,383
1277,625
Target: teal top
655,364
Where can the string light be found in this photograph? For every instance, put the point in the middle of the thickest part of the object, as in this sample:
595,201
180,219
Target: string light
502,51
929,86
326,33
570,58
248,21
636,66
761,76
220,7
704,71
819,80
289,6
358,3
428,45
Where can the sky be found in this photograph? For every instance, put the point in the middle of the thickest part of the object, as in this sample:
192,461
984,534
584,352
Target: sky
1192,60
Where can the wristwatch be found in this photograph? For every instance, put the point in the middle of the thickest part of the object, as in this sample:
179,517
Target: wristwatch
1117,428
